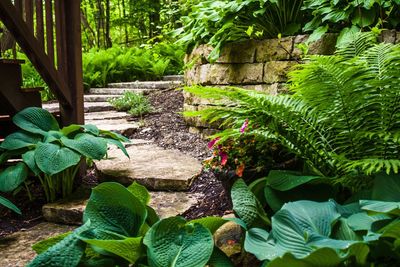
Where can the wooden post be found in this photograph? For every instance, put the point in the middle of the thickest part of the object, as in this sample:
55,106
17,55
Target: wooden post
73,62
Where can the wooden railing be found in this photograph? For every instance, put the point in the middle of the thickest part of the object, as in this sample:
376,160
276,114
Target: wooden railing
48,31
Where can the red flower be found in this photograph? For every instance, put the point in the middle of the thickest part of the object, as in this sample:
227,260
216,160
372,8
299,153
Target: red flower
213,142
240,169
224,158
244,126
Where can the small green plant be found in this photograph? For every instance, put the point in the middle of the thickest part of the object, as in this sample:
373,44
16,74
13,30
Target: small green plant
135,104
121,229
51,154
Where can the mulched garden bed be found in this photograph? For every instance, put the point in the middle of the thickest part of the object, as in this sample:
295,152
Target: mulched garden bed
166,127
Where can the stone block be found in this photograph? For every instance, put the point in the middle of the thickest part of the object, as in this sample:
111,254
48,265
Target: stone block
226,74
388,36
397,37
191,76
324,46
199,55
271,89
239,52
276,71
274,49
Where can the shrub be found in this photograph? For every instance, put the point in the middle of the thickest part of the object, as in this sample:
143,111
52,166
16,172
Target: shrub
134,104
51,154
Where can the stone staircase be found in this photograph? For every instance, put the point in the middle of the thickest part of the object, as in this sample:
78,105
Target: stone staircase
167,173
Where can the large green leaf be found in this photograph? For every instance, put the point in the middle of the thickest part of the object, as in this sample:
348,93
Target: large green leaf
19,140
12,177
90,146
68,252
8,204
171,242
36,120
386,187
363,221
29,159
211,223
112,207
118,144
44,245
140,192
52,158
73,128
219,259
286,180
246,205
381,206
129,248
113,135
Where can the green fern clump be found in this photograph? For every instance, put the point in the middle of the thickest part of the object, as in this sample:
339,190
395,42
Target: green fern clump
342,118
134,104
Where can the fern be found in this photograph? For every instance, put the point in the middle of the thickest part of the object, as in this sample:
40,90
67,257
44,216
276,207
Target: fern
342,118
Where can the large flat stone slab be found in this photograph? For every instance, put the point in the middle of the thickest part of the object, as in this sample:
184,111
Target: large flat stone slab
99,97
151,166
148,85
119,91
15,249
121,126
106,115
88,107
166,204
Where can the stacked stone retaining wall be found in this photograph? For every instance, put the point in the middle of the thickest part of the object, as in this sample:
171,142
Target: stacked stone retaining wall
261,65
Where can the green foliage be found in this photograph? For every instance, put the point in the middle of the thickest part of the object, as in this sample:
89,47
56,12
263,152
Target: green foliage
118,231
307,233
135,104
219,22
119,64
341,120
50,153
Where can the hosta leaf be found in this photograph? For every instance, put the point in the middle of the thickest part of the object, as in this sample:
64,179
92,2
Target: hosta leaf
257,242
12,177
152,216
87,145
286,180
391,230
8,204
67,252
114,135
246,205
172,242
19,140
363,221
29,159
67,130
130,249
219,259
112,207
381,206
52,158
90,128
36,120
118,144
211,223
44,245
386,187
140,192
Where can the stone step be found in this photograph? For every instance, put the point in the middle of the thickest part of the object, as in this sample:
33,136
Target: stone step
121,126
166,204
99,98
88,107
106,115
173,78
118,91
152,166
160,85
15,249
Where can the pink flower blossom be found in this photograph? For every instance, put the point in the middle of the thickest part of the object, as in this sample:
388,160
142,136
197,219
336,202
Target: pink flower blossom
244,126
224,158
213,142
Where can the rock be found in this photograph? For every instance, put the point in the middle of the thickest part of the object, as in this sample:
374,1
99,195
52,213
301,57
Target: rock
228,238
324,46
397,37
99,97
271,89
239,52
88,107
106,115
274,49
199,55
151,166
15,249
169,204
173,78
276,71
119,91
121,126
161,85
388,36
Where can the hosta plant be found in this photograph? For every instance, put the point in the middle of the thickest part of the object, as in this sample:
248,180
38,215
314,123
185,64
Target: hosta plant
121,229
308,233
51,154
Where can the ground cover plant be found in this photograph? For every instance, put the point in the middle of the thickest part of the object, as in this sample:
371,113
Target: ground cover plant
121,229
51,154
133,103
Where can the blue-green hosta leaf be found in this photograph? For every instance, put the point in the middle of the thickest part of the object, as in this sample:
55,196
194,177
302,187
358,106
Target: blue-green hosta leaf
44,245
113,135
118,144
219,259
381,206
152,216
52,158
8,204
20,139
29,159
392,230
36,120
286,180
363,221
112,207
90,128
172,242
386,187
67,252
140,192
211,223
129,248
246,205
53,137
73,128
90,146
12,177
259,244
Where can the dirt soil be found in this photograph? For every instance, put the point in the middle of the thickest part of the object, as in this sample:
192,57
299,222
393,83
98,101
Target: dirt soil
166,127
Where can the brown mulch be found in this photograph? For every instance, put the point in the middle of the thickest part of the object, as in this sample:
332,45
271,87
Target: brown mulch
167,128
